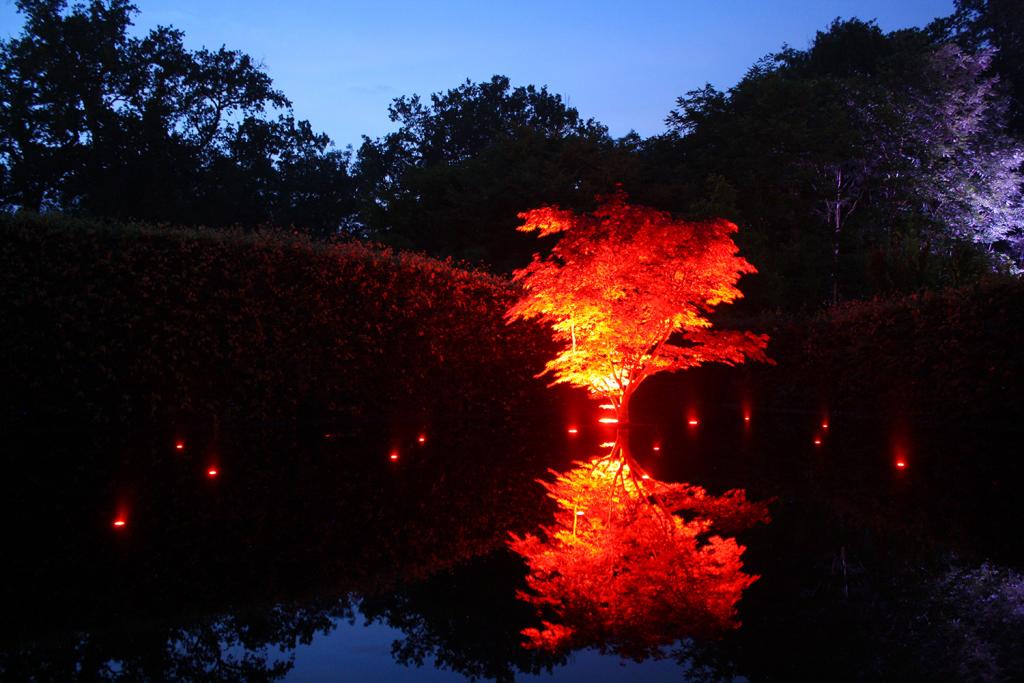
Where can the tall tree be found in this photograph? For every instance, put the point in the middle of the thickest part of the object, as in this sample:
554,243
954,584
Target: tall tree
940,153
97,121
627,291
863,163
996,25
452,178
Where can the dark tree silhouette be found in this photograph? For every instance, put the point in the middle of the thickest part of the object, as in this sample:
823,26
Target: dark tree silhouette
452,178
96,121
867,163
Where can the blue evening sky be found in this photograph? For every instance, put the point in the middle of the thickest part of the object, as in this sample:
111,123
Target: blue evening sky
622,63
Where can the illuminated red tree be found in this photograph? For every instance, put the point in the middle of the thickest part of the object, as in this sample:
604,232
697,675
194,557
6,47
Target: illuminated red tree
627,291
615,571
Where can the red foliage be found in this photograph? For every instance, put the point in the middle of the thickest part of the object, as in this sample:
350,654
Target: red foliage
618,286
622,569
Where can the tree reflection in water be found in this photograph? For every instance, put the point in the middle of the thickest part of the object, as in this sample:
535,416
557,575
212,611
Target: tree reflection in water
246,645
632,564
207,592
466,620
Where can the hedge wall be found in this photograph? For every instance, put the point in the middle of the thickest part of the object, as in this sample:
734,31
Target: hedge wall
957,352
133,323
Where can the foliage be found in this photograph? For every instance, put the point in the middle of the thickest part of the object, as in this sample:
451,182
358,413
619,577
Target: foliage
484,643
866,163
940,151
458,169
617,571
258,645
131,323
968,622
97,121
620,283
954,352
999,25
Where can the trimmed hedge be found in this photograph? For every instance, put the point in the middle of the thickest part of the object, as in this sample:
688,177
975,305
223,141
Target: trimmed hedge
141,324
954,352
144,325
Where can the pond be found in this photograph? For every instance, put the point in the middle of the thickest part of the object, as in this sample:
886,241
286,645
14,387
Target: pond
378,550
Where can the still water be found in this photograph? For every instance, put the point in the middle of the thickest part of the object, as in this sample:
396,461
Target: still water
379,551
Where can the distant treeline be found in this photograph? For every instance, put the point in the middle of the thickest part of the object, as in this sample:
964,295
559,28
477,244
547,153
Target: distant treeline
868,163
153,326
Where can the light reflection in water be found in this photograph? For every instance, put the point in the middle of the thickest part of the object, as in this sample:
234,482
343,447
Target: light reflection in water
632,574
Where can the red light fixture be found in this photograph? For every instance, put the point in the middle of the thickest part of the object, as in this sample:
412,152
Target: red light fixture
212,472
824,425
422,438
746,418
394,456
692,423
179,445
656,447
817,441
901,464
120,523
573,430
608,420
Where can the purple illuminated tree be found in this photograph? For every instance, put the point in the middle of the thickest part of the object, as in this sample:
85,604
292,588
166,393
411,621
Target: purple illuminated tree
941,150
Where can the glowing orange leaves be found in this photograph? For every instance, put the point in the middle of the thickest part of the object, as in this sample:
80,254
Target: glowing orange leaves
628,573
547,220
619,567
620,283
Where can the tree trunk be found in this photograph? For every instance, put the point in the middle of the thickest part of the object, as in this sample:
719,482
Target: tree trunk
622,434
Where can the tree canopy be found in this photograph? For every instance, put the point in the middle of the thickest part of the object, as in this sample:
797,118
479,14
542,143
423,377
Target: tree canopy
866,164
997,25
100,122
452,178
627,291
